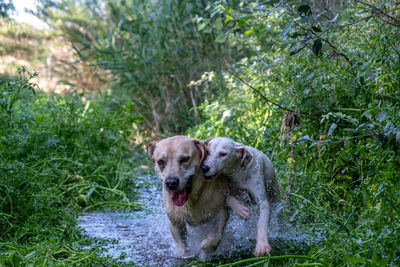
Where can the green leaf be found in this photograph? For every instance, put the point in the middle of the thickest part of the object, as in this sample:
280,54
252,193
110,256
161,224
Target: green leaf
305,9
296,34
367,115
286,30
218,24
249,31
220,38
316,29
317,47
201,26
389,128
294,52
381,116
335,18
332,128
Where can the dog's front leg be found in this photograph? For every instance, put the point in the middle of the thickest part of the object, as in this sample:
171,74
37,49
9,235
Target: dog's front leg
212,240
262,245
179,234
237,207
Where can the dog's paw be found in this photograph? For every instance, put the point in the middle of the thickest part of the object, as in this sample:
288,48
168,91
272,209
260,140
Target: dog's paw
238,208
202,256
209,244
183,251
261,249
243,212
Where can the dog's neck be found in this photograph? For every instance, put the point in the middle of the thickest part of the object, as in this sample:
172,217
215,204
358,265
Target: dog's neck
198,187
235,172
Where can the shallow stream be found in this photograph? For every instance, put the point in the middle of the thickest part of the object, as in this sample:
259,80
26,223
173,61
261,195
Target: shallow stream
143,236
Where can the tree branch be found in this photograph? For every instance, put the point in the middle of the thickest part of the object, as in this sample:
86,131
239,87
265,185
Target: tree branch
352,23
333,46
270,101
380,11
388,22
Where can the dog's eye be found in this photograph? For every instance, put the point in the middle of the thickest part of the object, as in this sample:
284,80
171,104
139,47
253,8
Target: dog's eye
161,163
222,154
185,159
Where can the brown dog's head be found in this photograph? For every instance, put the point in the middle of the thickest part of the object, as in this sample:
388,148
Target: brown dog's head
224,156
177,162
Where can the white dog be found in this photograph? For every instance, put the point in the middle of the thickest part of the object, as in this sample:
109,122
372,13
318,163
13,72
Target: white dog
246,168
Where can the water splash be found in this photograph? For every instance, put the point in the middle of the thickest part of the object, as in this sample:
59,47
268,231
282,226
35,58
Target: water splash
143,237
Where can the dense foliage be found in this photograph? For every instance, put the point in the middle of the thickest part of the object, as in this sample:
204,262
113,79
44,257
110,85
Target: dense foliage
315,86
6,7
153,49
58,155
328,115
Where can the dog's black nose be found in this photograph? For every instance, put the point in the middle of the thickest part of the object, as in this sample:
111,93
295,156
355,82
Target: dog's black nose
172,183
205,168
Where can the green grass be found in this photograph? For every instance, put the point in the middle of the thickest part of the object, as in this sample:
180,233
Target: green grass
60,155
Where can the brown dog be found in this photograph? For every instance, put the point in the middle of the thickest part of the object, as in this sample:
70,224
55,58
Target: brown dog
188,198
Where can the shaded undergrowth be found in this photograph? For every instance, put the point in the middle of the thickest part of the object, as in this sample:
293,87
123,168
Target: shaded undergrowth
59,156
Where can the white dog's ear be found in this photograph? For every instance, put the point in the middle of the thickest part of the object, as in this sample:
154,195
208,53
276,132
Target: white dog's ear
208,140
244,155
203,148
151,148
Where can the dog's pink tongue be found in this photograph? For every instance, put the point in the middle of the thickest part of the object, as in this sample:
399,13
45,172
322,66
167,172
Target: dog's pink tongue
178,197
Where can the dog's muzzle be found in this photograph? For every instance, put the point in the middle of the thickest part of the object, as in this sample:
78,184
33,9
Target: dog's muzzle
204,170
172,183
180,197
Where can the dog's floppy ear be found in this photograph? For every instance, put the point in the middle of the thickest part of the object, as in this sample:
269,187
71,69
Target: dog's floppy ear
151,148
203,148
244,155
208,141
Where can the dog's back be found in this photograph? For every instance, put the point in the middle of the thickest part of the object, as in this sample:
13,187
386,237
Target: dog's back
266,169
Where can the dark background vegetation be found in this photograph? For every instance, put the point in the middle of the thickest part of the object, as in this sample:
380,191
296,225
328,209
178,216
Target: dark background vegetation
313,84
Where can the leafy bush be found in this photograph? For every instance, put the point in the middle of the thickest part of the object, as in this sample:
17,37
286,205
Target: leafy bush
322,102
58,155
6,7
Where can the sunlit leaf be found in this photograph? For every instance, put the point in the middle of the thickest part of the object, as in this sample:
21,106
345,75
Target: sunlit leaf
332,128
228,18
286,30
201,26
220,38
388,128
249,31
381,116
335,18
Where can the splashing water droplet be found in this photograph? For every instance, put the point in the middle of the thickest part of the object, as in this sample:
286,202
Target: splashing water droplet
143,237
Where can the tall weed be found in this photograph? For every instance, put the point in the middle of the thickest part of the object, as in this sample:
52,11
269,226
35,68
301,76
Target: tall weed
59,155
152,49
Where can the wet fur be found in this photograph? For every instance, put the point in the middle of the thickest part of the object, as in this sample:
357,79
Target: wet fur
206,202
250,169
